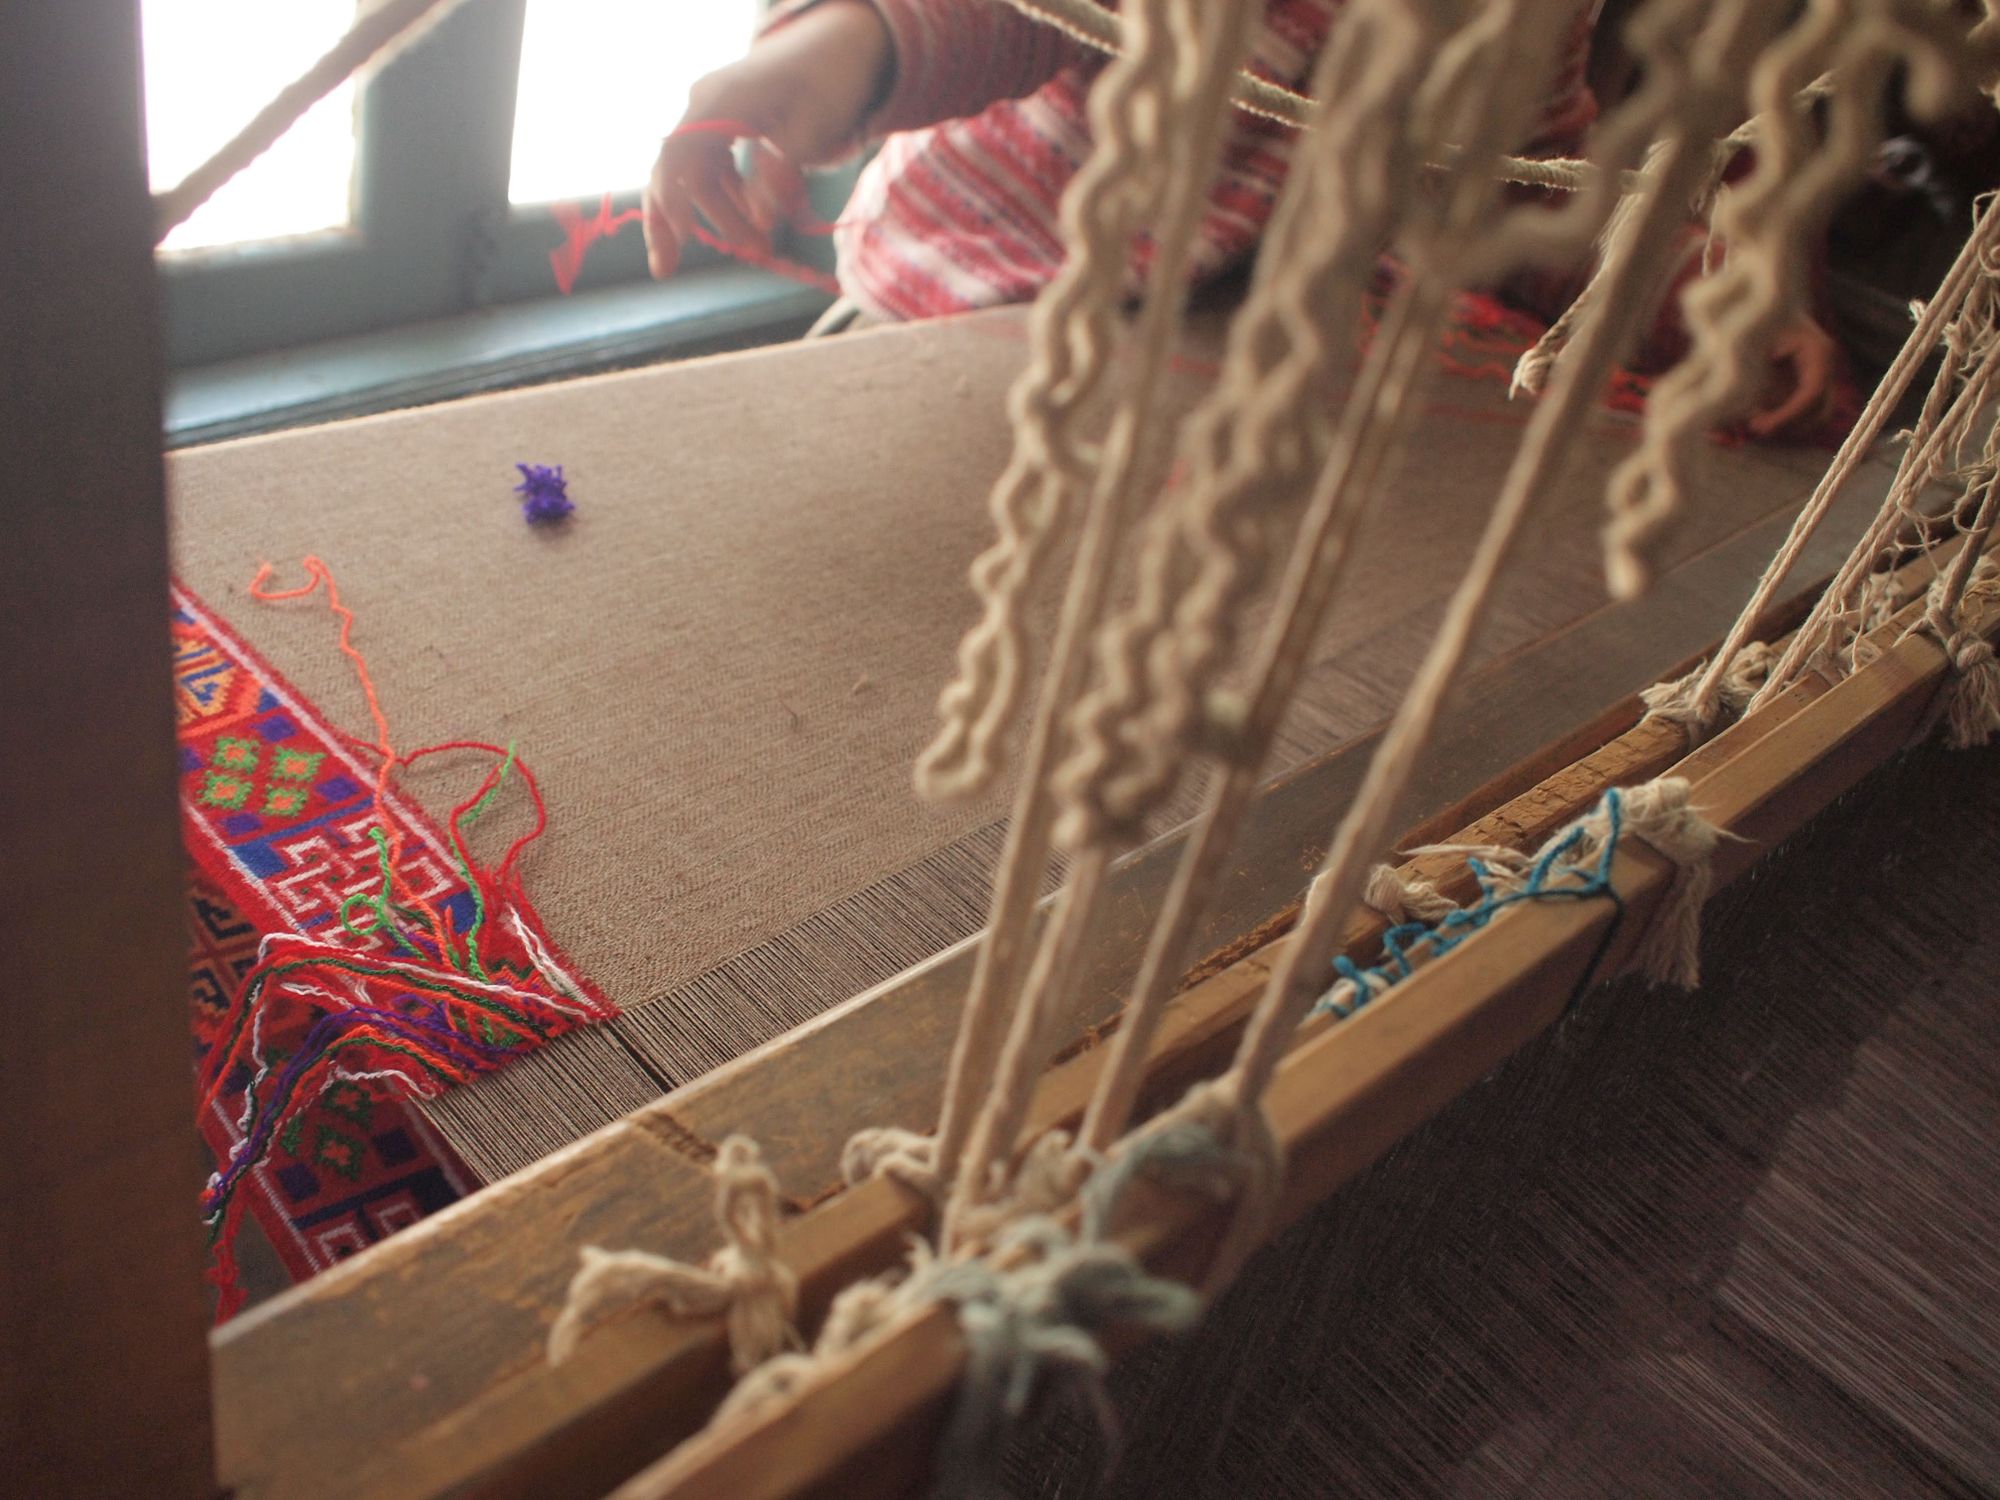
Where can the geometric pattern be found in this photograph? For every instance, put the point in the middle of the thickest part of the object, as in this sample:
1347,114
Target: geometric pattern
278,818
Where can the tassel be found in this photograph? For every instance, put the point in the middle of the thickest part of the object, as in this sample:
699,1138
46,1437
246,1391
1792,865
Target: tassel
1972,701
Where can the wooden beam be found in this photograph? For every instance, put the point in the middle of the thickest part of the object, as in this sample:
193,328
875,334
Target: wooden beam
1347,1093
104,1375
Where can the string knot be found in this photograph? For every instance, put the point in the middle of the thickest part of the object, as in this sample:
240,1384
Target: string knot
857,1311
1661,815
908,1157
1531,370
1032,1328
1683,701
1746,675
744,1281
1045,1182
1972,701
1213,1144
1402,898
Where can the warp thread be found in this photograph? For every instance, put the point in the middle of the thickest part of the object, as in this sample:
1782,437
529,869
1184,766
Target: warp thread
1252,444
1345,490
1116,192
1138,175
744,1281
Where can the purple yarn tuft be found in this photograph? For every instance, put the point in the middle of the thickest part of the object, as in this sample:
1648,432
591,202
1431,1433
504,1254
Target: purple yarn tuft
544,493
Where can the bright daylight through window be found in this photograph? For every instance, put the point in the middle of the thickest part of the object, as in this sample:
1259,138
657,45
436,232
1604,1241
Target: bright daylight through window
603,80
210,66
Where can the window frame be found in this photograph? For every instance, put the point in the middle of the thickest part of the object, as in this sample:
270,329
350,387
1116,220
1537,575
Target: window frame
433,233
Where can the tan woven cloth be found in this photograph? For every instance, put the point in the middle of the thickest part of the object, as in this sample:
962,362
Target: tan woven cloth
723,667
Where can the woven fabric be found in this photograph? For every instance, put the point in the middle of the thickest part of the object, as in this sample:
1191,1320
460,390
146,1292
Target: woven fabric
278,813
723,665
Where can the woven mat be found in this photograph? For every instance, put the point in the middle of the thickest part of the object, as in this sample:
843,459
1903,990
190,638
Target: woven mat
722,667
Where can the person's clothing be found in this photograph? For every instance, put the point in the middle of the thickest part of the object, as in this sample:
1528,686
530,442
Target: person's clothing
984,126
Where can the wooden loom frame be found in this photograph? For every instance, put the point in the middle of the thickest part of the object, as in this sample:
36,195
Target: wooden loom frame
101,1279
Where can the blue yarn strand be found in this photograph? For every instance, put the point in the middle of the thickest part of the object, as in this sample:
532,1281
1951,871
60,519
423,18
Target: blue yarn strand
1550,878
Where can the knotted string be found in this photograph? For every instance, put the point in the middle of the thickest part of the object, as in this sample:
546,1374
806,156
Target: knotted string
1032,1308
744,1280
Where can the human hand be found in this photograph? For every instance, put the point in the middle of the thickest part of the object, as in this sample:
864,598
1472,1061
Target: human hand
1808,352
801,92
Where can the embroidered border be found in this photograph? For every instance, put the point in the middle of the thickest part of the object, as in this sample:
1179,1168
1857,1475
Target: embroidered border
277,815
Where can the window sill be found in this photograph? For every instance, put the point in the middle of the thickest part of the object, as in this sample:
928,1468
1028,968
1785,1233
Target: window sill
727,307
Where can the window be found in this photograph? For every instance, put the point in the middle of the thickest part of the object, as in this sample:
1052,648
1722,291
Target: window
602,80
208,66
424,192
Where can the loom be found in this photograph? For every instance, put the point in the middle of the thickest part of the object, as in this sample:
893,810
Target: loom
1531,1222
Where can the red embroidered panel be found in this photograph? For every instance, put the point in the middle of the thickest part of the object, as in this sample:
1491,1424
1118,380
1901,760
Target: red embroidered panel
312,1031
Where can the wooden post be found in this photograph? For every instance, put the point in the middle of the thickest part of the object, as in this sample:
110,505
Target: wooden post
103,1355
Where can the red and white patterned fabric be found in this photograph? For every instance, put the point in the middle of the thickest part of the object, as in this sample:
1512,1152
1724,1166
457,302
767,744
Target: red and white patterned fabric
984,126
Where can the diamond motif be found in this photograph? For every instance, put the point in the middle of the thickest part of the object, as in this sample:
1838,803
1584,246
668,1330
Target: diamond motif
233,754
288,764
220,789
285,801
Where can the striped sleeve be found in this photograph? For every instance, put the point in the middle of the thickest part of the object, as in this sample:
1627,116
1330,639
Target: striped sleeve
955,57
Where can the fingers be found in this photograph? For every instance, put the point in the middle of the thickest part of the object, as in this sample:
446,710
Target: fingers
668,222
776,189
1810,353
695,177
720,197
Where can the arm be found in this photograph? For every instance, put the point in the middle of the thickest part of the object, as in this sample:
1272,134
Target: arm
955,57
825,74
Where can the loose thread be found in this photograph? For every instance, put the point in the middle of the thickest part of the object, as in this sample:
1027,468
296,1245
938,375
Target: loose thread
319,576
579,233
436,1011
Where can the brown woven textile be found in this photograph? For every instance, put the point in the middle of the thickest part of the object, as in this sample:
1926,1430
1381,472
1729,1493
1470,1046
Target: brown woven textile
1741,1243
723,667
